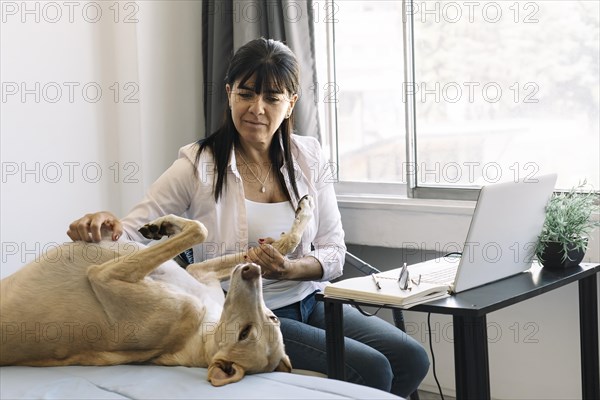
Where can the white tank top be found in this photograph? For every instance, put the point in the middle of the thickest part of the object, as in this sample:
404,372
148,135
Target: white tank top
271,220
268,220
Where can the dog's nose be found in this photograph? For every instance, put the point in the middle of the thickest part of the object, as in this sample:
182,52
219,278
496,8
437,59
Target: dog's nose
250,271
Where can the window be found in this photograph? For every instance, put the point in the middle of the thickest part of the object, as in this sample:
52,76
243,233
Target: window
500,89
369,71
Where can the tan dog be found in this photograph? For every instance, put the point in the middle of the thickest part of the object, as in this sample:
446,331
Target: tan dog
115,302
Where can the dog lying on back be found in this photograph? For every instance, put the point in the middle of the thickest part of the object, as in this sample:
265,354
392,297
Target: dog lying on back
113,303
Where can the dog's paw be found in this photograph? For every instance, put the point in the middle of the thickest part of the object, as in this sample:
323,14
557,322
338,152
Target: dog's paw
163,226
305,207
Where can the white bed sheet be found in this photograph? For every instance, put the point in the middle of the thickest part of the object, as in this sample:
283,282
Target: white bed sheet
155,382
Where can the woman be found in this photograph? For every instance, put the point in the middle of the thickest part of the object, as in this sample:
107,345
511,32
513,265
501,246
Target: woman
244,182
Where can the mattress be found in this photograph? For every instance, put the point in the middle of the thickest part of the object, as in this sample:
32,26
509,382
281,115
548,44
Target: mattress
157,382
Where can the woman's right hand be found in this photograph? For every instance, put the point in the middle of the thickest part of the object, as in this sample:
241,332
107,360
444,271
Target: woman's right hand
91,227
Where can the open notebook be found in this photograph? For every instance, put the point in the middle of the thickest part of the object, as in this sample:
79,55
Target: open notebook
501,241
389,292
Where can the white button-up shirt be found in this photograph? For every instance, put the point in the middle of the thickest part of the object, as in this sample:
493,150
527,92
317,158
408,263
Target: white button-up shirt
178,191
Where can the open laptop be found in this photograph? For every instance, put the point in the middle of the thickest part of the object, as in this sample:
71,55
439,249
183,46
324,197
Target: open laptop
502,237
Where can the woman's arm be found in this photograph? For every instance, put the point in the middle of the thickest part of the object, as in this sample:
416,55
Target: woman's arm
169,194
328,244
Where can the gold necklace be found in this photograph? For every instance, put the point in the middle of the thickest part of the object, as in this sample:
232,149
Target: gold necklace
263,188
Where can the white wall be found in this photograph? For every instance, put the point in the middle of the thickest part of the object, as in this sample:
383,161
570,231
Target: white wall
533,346
66,154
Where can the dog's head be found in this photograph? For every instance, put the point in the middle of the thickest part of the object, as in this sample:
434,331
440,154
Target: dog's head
248,336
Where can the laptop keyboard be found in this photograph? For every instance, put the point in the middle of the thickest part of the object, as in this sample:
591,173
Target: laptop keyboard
441,276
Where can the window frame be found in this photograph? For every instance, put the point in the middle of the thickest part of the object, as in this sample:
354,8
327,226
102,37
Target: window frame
411,188
414,190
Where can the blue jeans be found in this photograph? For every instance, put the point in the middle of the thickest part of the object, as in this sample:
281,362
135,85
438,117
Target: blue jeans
377,353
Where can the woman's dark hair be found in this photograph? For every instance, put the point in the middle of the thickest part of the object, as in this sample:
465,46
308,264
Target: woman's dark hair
271,63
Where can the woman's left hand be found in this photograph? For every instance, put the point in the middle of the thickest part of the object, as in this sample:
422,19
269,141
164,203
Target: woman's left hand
272,262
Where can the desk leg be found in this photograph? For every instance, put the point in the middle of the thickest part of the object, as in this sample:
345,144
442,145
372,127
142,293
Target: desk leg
334,336
471,361
588,326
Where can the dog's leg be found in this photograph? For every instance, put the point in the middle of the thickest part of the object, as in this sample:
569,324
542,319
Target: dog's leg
221,267
121,281
290,240
183,234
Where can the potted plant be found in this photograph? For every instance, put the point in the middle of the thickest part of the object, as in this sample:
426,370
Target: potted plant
567,226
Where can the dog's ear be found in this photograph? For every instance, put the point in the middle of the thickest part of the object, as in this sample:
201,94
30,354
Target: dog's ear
284,365
223,372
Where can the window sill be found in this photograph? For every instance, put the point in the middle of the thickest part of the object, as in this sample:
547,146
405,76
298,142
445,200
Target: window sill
394,202
401,222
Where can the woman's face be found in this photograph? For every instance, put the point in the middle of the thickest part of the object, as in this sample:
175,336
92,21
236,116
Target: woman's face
257,116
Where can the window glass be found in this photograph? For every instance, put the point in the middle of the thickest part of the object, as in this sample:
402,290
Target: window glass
507,89
503,90
369,75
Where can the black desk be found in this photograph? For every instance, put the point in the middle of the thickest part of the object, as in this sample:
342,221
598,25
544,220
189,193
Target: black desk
469,310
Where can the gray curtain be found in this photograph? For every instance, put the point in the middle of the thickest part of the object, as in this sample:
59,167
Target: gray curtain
228,24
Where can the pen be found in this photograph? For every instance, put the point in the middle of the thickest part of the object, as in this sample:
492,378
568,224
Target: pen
376,281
